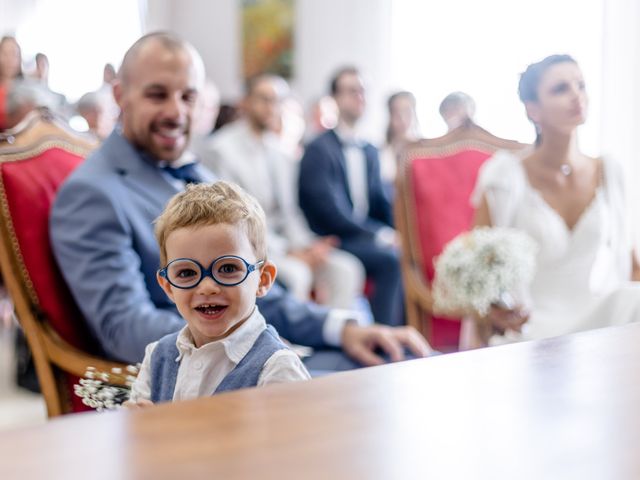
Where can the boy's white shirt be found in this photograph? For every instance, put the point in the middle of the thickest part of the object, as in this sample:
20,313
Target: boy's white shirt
202,369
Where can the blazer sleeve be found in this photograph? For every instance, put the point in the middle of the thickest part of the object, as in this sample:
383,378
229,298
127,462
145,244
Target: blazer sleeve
380,205
92,242
324,200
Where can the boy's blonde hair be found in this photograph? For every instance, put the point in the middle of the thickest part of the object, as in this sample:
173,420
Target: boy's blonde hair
210,204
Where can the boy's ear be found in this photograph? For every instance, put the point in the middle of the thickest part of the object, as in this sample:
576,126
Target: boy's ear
268,274
166,286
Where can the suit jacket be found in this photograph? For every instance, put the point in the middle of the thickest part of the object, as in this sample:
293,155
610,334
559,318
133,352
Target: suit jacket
102,235
324,191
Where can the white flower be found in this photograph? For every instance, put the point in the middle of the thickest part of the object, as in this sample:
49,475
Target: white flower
476,269
102,396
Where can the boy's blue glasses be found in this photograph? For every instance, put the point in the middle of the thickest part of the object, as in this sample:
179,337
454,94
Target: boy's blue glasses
228,271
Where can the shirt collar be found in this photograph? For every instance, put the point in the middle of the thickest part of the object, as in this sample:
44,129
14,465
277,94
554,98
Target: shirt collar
236,345
348,136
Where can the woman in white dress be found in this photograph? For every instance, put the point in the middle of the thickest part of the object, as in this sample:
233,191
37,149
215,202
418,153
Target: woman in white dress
573,206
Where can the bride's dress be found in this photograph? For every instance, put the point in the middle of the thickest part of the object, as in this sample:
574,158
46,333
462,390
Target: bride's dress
582,274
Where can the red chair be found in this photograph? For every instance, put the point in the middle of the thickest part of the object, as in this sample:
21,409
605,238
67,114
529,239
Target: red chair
34,161
435,180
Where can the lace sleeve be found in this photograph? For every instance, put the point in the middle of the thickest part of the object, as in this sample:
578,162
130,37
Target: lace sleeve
501,181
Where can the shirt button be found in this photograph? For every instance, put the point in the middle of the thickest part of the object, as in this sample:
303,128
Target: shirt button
197,365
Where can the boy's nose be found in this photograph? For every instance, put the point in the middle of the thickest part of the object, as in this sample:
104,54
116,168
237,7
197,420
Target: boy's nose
208,285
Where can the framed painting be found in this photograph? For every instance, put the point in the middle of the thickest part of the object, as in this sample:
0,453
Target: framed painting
267,37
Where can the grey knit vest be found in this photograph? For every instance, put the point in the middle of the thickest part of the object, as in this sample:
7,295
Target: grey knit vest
164,367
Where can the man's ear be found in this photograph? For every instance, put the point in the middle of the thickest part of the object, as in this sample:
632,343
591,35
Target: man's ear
268,274
117,92
166,286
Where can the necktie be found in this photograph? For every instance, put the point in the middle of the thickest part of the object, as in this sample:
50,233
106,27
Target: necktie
187,173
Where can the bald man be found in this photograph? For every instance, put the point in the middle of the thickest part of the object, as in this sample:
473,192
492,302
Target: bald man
102,223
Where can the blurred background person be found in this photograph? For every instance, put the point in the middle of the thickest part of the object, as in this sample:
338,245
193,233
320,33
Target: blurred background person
341,194
207,110
322,116
111,109
228,113
93,109
10,70
456,109
403,128
41,72
290,127
24,96
41,75
250,153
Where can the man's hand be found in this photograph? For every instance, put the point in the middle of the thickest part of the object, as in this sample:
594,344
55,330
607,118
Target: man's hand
361,343
315,254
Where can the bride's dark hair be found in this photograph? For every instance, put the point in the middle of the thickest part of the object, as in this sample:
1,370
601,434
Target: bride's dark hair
530,79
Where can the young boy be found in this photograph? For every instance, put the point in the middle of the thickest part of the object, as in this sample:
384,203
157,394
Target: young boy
212,241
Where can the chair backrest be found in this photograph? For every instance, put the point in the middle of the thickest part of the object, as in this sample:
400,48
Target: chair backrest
435,181
34,161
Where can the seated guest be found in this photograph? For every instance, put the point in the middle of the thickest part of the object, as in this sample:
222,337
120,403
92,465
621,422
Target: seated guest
93,108
456,109
206,111
403,128
228,114
112,111
214,264
573,206
322,115
101,224
248,153
23,97
10,70
341,194
41,75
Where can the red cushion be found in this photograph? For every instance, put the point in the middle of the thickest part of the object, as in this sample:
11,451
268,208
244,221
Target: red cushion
30,186
442,187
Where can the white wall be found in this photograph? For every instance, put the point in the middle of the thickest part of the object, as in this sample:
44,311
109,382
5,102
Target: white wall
621,91
328,34
13,13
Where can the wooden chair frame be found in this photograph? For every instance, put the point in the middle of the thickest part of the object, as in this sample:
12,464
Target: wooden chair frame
53,357
418,298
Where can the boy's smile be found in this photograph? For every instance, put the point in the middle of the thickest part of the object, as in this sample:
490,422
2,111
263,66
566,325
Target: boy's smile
211,310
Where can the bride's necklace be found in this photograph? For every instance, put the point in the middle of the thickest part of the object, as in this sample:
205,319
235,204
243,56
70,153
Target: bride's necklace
566,169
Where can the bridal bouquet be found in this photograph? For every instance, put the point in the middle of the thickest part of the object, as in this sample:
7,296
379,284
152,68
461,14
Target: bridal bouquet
483,267
106,390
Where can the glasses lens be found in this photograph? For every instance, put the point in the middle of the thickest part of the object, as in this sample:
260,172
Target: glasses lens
183,273
229,270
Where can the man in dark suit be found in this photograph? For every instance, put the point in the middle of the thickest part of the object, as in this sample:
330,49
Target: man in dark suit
341,194
102,223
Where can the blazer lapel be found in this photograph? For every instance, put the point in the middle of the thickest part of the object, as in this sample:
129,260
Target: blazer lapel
145,179
342,162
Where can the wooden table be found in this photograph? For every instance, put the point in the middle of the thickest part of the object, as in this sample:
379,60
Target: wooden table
558,409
